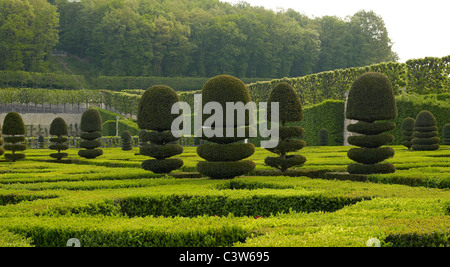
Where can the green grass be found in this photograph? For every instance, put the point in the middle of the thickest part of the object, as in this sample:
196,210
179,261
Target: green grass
111,201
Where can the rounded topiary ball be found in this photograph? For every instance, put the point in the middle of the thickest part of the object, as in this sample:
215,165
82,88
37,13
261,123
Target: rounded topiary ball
371,98
13,124
91,121
223,89
155,106
290,106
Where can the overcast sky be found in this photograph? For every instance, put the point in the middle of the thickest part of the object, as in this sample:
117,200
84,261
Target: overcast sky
418,29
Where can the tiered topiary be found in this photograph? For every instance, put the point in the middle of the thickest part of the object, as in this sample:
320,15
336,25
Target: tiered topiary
225,157
426,132
91,127
154,114
290,110
408,132
14,131
371,98
41,141
126,141
323,137
446,134
58,128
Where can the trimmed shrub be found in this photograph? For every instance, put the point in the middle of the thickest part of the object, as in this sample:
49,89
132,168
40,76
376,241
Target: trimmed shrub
126,141
371,98
425,136
91,127
58,128
290,111
446,134
225,158
408,132
14,129
323,137
41,142
154,114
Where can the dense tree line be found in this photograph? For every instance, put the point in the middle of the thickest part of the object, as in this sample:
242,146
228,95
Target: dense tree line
199,38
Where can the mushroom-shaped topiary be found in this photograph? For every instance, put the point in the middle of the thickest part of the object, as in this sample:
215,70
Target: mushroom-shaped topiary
14,131
58,128
225,159
426,132
446,134
91,127
323,137
126,141
154,114
408,132
371,98
290,110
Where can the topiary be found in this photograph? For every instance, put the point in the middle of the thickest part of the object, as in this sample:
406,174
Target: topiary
225,159
446,134
323,137
371,98
41,141
425,136
58,128
14,129
290,110
91,128
154,114
408,132
126,141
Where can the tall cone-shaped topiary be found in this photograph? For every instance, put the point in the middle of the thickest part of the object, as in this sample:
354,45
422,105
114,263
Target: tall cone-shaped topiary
290,110
446,134
91,127
154,115
126,141
224,155
14,131
58,128
426,132
371,98
408,132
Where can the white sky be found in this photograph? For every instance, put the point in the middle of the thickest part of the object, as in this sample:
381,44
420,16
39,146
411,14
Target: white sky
418,29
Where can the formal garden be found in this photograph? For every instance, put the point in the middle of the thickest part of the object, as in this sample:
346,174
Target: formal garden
390,184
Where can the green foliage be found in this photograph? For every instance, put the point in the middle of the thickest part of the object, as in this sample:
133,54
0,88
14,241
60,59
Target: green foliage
2,151
226,152
225,169
425,136
154,112
109,127
58,127
428,75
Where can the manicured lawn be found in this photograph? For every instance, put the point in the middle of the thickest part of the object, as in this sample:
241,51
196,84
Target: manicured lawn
110,201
